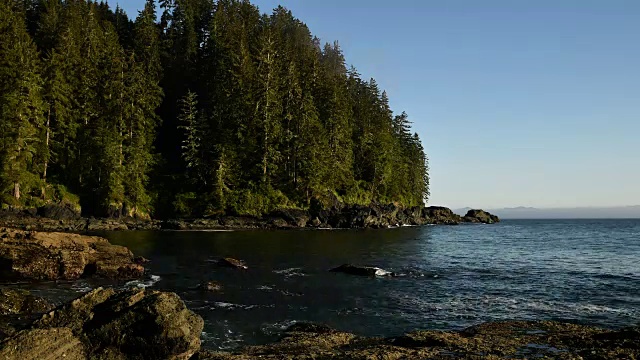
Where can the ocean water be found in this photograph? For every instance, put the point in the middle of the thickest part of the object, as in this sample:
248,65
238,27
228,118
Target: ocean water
585,271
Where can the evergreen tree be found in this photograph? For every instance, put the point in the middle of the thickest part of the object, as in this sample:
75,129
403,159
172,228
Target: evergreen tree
21,106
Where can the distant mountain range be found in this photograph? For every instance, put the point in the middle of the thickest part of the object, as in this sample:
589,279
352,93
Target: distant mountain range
617,212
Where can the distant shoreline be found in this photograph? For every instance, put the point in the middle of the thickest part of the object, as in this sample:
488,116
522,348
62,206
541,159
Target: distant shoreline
612,212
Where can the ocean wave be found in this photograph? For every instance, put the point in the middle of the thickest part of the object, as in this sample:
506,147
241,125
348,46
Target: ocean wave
81,287
153,279
295,271
281,291
224,338
277,327
232,306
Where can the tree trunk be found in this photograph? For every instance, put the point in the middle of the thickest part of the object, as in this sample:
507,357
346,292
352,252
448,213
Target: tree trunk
46,159
16,190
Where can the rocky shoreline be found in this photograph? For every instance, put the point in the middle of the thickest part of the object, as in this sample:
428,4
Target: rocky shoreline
338,216
147,324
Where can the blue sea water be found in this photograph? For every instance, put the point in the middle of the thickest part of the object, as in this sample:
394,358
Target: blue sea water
585,271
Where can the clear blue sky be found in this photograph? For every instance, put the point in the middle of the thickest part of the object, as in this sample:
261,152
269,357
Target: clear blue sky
518,103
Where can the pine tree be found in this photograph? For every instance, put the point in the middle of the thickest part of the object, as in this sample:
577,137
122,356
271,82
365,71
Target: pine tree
269,106
21,105
191,125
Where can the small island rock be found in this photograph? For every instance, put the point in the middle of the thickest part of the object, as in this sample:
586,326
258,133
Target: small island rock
480,216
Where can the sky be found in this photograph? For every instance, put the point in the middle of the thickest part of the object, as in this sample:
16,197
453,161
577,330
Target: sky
518,103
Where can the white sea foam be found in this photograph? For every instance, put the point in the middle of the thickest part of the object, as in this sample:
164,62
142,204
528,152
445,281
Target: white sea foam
278,327
295,271
153,279
232,306
81,287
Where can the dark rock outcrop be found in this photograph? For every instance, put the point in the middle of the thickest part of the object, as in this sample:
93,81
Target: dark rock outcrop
232,263
62,256
61,211
480,216
440,215
141,260
130,324
18,302
361,270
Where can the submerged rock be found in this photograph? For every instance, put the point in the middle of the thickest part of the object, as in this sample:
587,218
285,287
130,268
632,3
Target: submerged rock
134,323
232,263
362,270
62,256
18,302
211,286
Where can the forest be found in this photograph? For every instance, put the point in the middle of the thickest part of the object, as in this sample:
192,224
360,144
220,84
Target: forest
192,108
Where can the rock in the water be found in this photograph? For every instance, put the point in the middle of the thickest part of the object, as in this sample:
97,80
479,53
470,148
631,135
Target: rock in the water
134,323
18,301
480,216
210,286
362,270
43,344
61,256
232,263
440,215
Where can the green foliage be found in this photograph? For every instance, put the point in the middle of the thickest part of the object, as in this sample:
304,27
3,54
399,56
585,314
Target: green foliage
359,193
213,108
258,201
185,204
21,106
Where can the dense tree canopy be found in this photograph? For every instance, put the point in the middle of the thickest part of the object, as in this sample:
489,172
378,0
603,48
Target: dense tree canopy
212,108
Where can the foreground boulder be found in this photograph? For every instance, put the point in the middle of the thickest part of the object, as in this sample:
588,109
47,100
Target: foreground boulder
502,340
44,344
480,216
60,256
361,270
20,302
130,324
